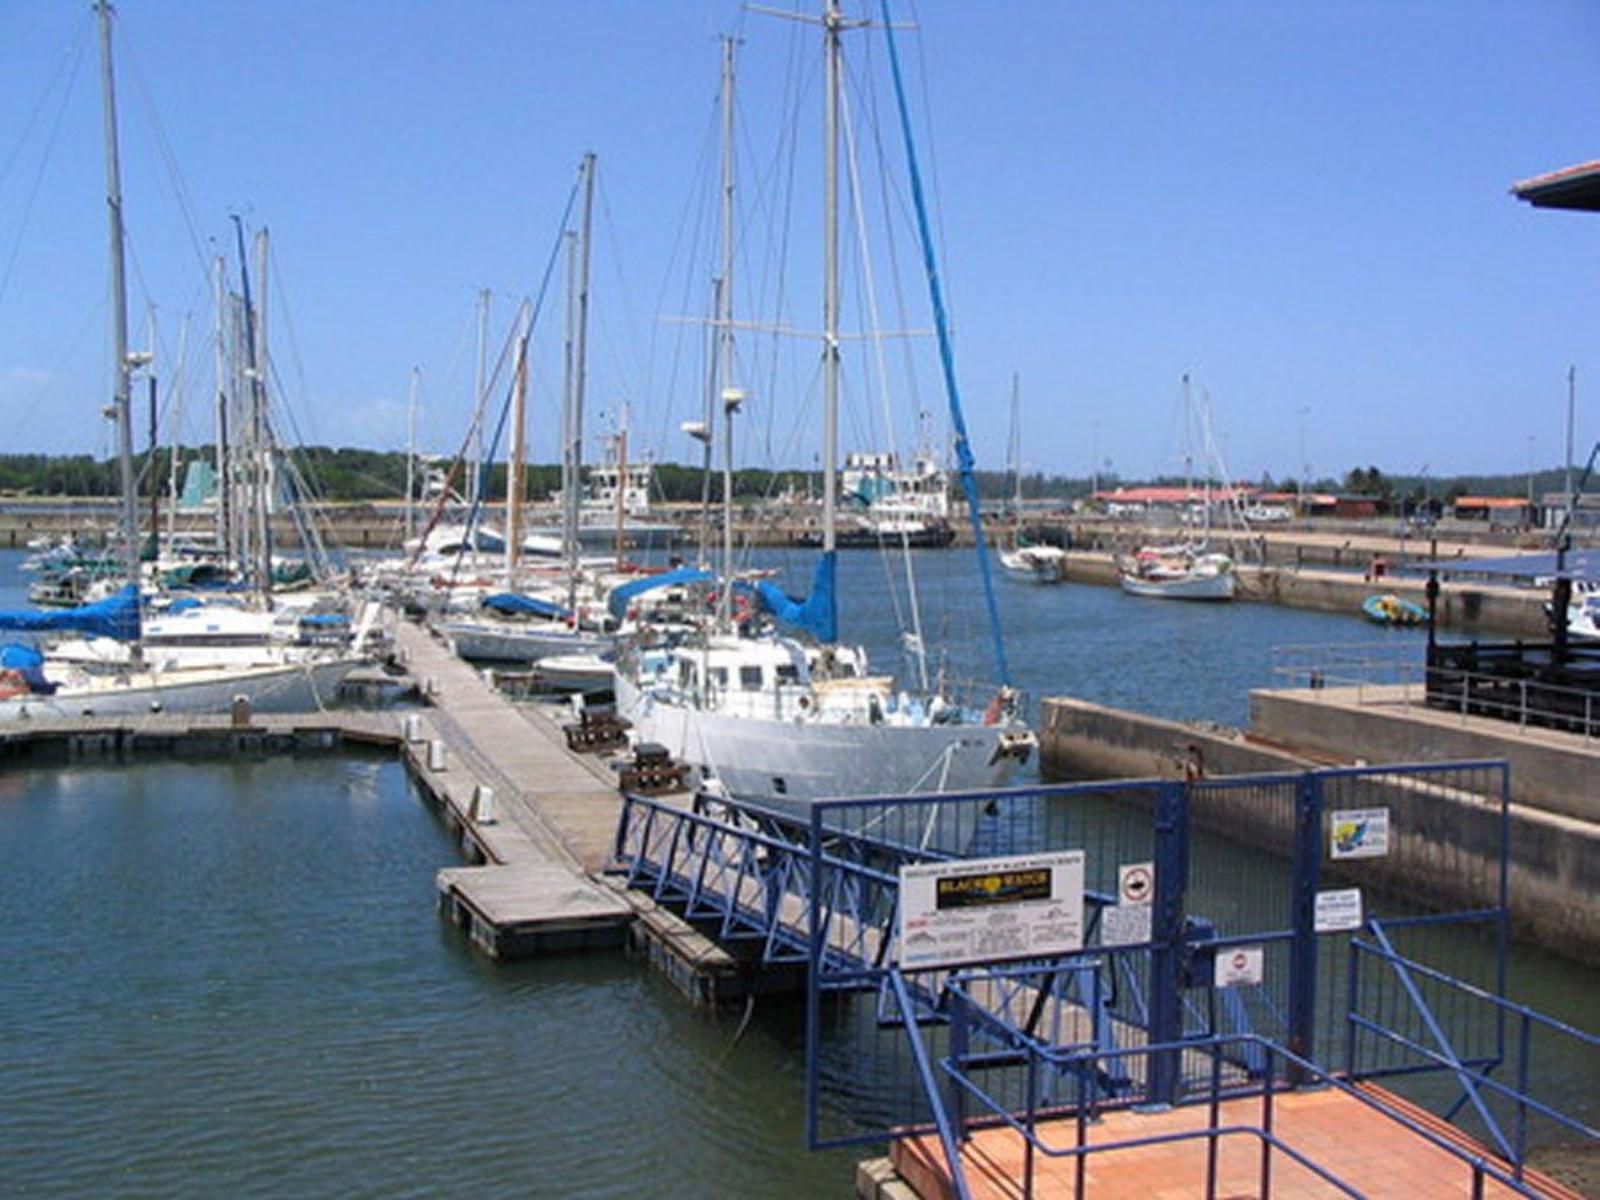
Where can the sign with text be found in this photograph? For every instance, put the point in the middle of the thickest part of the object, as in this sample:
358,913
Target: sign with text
1241,966
1124,924
1358,832
985,910
1338,911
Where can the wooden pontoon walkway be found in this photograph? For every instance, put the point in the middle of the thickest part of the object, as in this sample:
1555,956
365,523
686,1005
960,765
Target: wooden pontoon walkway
549,819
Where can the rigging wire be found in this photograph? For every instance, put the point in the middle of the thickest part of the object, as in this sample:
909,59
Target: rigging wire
169,159
853,174
70,65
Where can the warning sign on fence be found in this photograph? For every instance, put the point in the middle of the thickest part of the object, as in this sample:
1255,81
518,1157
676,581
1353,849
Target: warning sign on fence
985,910
1338,911
1240,966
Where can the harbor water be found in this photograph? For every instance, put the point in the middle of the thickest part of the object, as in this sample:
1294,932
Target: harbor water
227,977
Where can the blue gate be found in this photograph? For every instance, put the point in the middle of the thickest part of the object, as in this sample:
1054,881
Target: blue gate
1243,868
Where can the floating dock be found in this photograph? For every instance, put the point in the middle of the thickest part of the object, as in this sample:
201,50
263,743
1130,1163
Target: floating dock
542,820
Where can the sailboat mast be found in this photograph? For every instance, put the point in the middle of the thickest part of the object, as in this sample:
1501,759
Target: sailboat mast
731,397
514,485
1016,450
219,367
580,337
619,541
833,24
725,279
180,388
411,455
475,466
123,371
153,428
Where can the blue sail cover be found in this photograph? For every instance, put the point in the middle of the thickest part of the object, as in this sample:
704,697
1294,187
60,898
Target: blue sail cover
818,613
116,616
617,602
28,663
514,605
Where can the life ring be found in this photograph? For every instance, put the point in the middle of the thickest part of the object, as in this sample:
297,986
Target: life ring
12,684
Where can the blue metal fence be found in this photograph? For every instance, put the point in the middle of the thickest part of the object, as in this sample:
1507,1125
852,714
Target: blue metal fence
1238,863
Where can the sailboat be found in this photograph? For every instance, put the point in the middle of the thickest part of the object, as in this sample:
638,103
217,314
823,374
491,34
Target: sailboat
764,701
1037,564
37,684
1188,569
563,612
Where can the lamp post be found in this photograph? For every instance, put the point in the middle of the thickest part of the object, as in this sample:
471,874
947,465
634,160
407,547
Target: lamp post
1305,468
1530,479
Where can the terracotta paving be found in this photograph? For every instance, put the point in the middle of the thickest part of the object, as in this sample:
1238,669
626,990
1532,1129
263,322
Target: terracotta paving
1375,1155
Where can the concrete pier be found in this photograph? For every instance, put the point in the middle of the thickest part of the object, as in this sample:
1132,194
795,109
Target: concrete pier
1467,606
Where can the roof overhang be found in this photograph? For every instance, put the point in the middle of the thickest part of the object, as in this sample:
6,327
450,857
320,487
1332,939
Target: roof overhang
1571,187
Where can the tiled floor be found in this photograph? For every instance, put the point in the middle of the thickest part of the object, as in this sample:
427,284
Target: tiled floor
1374,1155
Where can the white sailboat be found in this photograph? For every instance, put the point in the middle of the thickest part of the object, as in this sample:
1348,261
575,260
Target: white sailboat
786,719
564,613
1035,563
1190,569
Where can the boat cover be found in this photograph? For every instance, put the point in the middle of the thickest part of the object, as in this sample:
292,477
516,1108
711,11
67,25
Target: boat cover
617,602
818,613
28,663
514,604
117,616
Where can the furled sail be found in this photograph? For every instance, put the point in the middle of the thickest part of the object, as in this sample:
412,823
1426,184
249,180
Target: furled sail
818,613
116,616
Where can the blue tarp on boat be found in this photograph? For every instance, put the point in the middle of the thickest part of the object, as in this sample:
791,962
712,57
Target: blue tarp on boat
28,663
116,616
617,602
513,604
817,614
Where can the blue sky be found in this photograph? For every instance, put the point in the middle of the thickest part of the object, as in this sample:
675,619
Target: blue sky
1305,205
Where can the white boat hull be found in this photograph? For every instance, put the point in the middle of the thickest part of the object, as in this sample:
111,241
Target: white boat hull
487,641
302,687
794,763
1187,587
1035,565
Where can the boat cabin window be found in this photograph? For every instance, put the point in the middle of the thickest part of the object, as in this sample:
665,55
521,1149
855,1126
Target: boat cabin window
788,673
686,673
718,676
750,678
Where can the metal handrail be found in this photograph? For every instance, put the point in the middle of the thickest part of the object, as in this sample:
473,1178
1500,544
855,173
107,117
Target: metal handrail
1361,673
1482,1168
1445,1058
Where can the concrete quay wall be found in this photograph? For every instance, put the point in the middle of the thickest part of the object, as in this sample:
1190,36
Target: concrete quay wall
1465,606
1449,844
1557,773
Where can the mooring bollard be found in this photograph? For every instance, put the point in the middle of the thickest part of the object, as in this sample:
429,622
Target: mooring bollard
436,755
241,711
430,685
483,805
411,727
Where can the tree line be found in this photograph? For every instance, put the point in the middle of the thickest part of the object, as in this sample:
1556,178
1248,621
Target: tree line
348,474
